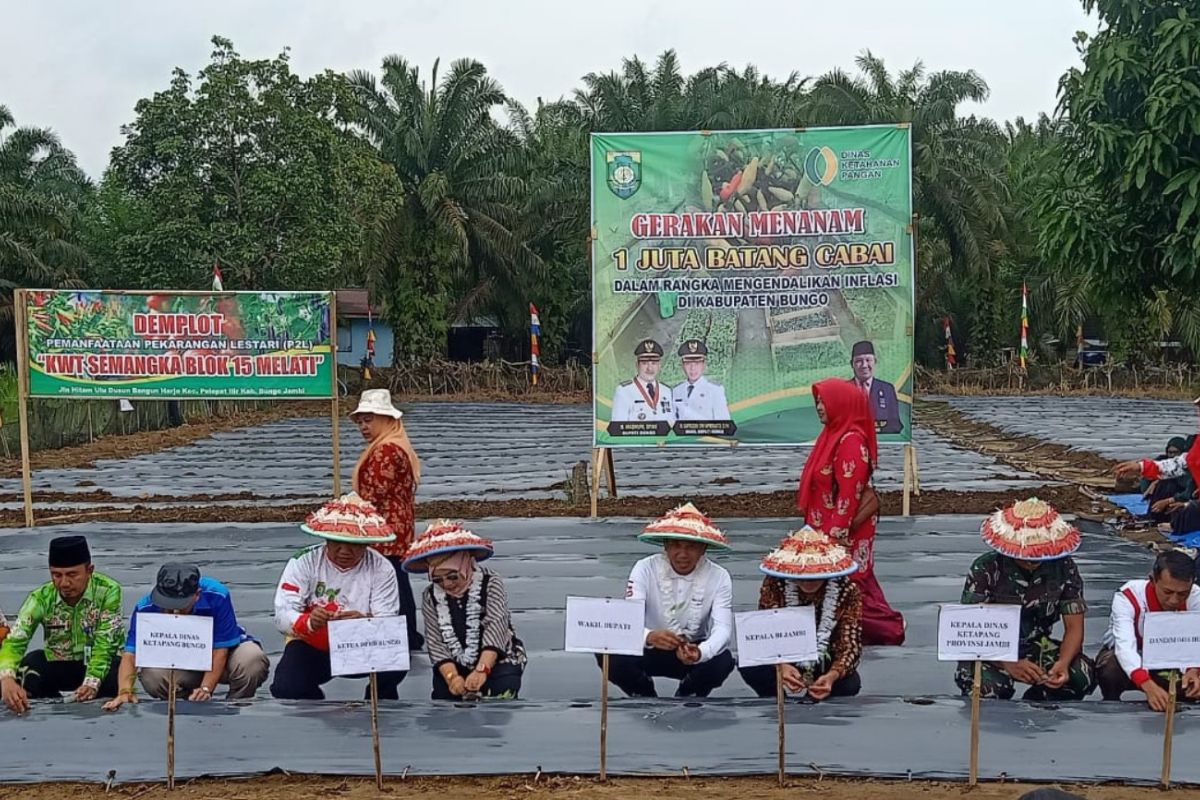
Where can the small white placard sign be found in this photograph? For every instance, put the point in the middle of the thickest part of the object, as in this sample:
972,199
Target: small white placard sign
979,632
373,644
605,625
1171,640
174,641
776,636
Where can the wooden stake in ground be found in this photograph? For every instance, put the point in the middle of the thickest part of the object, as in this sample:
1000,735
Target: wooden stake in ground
779,711
171,692
976,690
334,411
610,472
1170,730
375,731
597,462
22,331
908,481
604,716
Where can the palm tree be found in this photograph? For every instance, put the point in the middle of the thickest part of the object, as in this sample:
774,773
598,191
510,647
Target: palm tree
450,250
41,192
959,187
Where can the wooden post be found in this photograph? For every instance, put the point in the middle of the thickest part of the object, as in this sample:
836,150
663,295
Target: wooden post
22,331
610,472
171,730
334,411
906,502
1170,731
597,460
779,711
375,731
604,716
976,689
916,469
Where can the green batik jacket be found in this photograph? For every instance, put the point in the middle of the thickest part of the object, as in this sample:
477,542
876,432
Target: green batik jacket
1045,595
91,631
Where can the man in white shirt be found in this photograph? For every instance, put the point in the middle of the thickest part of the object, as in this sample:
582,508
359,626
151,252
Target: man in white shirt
340,578
698,398
1119,665
644,399
689,609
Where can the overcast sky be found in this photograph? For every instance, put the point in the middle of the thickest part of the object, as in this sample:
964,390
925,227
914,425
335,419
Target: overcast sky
79,66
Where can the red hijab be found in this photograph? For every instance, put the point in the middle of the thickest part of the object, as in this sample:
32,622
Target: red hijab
846,411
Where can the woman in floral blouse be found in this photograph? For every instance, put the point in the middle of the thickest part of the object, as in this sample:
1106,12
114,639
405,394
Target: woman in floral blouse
834,490
386,476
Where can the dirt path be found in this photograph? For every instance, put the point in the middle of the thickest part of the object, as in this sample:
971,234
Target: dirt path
277,787
759,504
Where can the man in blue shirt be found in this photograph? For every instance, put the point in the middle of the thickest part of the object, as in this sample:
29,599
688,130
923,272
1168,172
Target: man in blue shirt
238,660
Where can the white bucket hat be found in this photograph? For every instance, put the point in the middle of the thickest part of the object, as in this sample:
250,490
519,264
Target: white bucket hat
377,401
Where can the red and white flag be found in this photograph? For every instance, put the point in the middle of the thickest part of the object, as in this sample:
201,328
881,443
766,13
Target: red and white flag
218,284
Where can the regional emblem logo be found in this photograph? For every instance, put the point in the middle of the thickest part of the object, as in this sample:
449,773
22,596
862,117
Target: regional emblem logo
624,173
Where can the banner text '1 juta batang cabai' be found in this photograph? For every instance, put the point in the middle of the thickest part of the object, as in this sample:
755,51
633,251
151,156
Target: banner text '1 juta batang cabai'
102,344
732,270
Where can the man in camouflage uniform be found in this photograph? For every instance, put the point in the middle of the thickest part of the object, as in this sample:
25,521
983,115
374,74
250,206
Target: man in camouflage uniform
1046,590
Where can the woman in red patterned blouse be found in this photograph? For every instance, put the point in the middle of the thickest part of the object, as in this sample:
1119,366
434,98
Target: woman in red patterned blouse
834,490
386,476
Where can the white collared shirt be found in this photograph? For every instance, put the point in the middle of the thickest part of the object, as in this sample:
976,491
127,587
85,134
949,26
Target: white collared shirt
1127,622
711,591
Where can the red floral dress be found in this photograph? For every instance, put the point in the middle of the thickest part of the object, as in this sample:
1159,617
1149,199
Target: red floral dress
840,485
386,481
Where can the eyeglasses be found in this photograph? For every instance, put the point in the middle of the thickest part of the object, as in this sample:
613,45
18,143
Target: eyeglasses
452,576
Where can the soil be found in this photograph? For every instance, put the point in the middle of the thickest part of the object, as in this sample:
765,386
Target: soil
756,504
294,787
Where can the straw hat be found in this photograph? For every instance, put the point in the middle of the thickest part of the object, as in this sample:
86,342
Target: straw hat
685,523
377,401
349,519
1030,530
808,555
442,538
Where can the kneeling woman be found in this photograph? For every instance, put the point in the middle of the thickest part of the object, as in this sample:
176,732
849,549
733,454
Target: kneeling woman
809,569
468,627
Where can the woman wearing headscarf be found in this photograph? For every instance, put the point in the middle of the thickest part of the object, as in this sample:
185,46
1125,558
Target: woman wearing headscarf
386,476
835,489
1165,497
468,627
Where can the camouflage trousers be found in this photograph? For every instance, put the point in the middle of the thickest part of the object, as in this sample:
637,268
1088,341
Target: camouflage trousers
998,684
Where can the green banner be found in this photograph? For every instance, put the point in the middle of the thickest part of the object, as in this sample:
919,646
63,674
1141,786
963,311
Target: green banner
102,344
732,270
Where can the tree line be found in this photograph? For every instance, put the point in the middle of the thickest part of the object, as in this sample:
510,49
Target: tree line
449,200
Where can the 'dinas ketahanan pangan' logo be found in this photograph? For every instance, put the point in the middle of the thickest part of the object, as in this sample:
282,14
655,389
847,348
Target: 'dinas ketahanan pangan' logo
624,173
821,166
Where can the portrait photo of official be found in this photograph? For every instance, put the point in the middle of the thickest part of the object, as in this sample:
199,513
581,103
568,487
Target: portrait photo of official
698,398
644,398
881,395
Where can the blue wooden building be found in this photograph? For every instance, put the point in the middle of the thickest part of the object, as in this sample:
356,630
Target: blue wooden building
355,315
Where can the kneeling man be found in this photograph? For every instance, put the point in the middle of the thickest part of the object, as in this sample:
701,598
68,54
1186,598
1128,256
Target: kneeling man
1119,665
689,609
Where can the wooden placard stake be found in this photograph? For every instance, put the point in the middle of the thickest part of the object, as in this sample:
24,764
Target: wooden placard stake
597,462
906,502
375,731
22,335
171,693
779,711
334,410
1170,731
976,690
604,716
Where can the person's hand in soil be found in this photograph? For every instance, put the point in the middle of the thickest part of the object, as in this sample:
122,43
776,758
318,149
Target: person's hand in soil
664,640
120,700
688,653
793,681
85,693
15,696
822,687
1191,684
1127,469
1025,671
1156,696
1058,675
458,686
475,681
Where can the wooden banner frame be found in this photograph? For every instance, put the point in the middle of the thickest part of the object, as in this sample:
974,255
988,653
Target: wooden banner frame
22,339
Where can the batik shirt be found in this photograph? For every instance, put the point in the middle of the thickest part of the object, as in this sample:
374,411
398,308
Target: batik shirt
1045,595
90,631
844,650
386,481
840,486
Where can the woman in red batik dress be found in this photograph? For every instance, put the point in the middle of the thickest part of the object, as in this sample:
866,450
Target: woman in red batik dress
386,476
836,498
